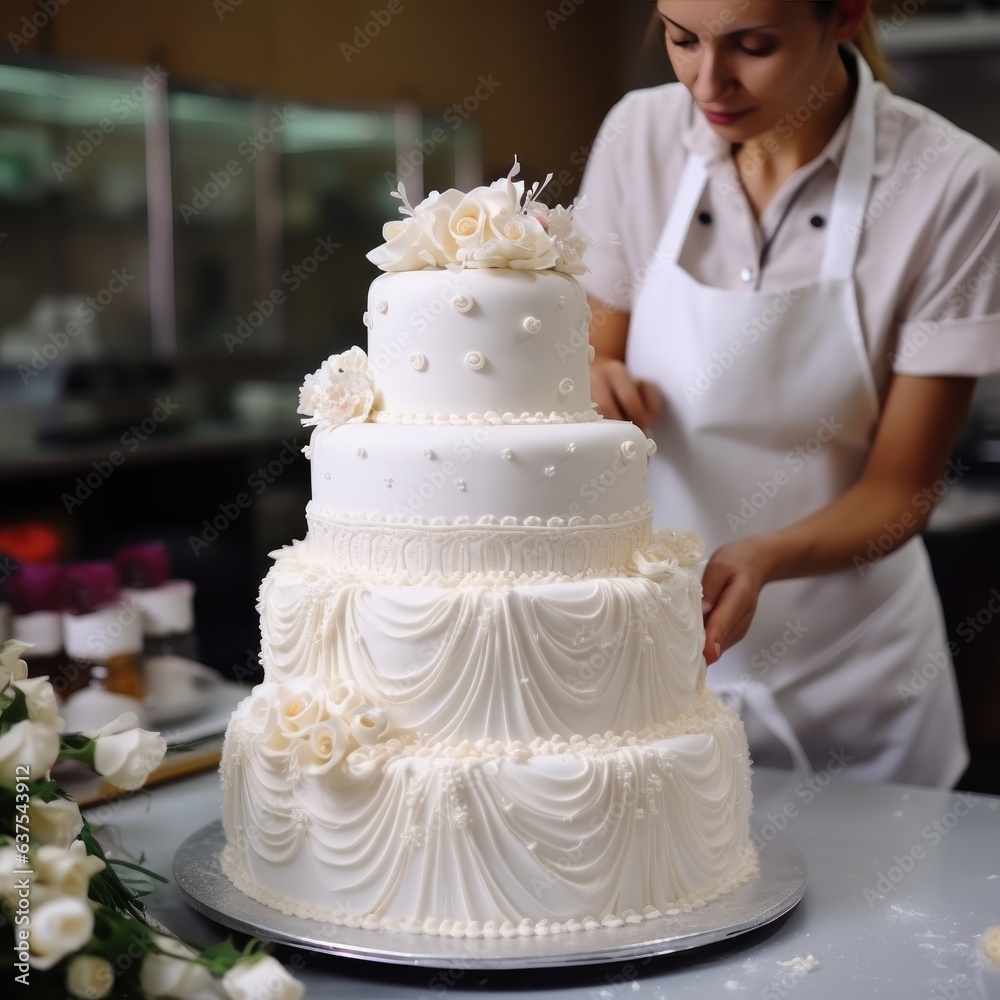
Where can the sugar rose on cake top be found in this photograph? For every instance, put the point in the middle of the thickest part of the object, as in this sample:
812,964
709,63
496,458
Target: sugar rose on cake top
494,226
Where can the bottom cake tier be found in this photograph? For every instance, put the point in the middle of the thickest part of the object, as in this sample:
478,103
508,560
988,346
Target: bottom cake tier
489,839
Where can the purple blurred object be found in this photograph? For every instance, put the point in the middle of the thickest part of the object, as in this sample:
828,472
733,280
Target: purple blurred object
36,587
89,586
144,565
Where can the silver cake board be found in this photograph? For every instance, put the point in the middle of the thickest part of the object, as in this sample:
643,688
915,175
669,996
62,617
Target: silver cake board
778,887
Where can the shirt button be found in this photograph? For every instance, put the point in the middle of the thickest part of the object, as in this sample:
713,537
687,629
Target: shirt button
748,274
817,222
705,218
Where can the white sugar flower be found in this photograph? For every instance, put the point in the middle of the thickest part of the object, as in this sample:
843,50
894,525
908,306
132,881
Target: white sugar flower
340,391
89,977
369,725
57,822
264,978
28,744
325,747
60,925
126,754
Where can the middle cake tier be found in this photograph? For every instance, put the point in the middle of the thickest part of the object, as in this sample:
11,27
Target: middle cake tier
453,664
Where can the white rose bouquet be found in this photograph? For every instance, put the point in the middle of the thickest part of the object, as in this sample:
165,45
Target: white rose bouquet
69,925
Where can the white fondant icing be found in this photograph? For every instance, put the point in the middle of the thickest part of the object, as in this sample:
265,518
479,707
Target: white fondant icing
475,360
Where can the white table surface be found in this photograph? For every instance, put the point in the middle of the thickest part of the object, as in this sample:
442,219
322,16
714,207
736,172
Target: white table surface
914,934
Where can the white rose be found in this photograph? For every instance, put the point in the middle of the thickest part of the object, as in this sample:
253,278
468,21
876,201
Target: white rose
28,743
344,698
89,977
301,706
262,979
59,926
41,700
125,754
10,861
260,712
369,725
432,222
523,241
12,667
66,869
404,248
173,974
325,747
57,822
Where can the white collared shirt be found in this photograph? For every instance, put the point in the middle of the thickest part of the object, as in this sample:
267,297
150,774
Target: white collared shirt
928,269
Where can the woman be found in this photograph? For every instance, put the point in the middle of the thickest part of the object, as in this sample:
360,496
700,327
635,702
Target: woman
801,299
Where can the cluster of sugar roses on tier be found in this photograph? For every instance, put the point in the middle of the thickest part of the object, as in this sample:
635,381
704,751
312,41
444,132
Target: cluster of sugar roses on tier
666,551
300,720
69,925
495,226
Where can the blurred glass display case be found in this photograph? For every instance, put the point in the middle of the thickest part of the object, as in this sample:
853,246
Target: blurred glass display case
150,231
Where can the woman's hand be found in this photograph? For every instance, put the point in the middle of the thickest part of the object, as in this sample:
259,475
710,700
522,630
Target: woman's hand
731,584
620,397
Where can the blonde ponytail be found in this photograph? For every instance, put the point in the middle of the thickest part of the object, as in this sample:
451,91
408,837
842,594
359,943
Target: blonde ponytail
869,45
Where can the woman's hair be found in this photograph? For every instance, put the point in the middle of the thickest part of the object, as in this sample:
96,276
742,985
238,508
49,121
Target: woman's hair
866,40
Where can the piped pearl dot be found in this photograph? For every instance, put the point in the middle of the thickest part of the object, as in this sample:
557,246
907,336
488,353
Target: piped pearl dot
366,318
460,485
562,301
570,448
475,360
650,446
429,454
591,353
362,453
566,386
550,470
326,476
507,453
462,303
417,361
388,481
382,306
628,450
532,324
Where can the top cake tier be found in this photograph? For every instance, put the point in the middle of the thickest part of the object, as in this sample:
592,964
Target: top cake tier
491,345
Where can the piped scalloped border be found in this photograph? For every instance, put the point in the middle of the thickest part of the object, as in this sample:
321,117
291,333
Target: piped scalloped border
491,417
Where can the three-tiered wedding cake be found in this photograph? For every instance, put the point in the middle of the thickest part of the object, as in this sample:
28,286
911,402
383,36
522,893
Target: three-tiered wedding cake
483,710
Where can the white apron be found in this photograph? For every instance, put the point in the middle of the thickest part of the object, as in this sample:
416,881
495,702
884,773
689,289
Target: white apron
756,438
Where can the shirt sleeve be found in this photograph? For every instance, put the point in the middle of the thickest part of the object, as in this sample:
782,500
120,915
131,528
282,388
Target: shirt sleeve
951,324
600,219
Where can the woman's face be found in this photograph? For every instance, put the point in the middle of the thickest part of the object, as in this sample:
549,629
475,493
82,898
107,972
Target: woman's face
749,64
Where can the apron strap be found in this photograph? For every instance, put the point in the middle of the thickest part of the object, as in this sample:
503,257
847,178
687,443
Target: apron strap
761,701
854,181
